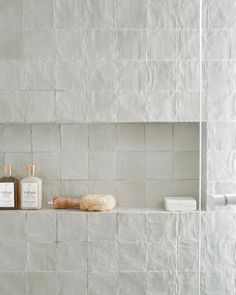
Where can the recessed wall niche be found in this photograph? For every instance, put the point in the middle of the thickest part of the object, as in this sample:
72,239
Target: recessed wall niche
139,163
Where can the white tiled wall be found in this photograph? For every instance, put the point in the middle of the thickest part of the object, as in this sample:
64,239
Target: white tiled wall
107,253
99,61
219,96
69,252
75,61
139,163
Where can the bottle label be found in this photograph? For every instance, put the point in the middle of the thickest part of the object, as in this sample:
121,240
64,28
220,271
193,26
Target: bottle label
29,195
7,195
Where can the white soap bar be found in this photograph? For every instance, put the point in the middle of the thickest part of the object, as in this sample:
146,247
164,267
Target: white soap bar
180,204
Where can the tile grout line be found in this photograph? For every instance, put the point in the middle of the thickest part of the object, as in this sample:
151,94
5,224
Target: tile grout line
24,66
176,249
27,246
200,146
60,156
60,135
147,250
88,132
146,60
87,267
117,115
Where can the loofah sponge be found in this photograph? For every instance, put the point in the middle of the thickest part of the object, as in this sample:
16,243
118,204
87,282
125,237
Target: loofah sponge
86,203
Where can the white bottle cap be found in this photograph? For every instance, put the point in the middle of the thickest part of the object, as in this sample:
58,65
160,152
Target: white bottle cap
7,170
31,170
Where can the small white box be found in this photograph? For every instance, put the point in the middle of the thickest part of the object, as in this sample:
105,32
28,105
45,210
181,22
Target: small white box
180,204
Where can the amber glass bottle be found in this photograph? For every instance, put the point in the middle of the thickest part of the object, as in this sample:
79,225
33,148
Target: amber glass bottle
9,190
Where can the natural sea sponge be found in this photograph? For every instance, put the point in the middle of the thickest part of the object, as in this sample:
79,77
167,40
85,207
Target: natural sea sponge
97,203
